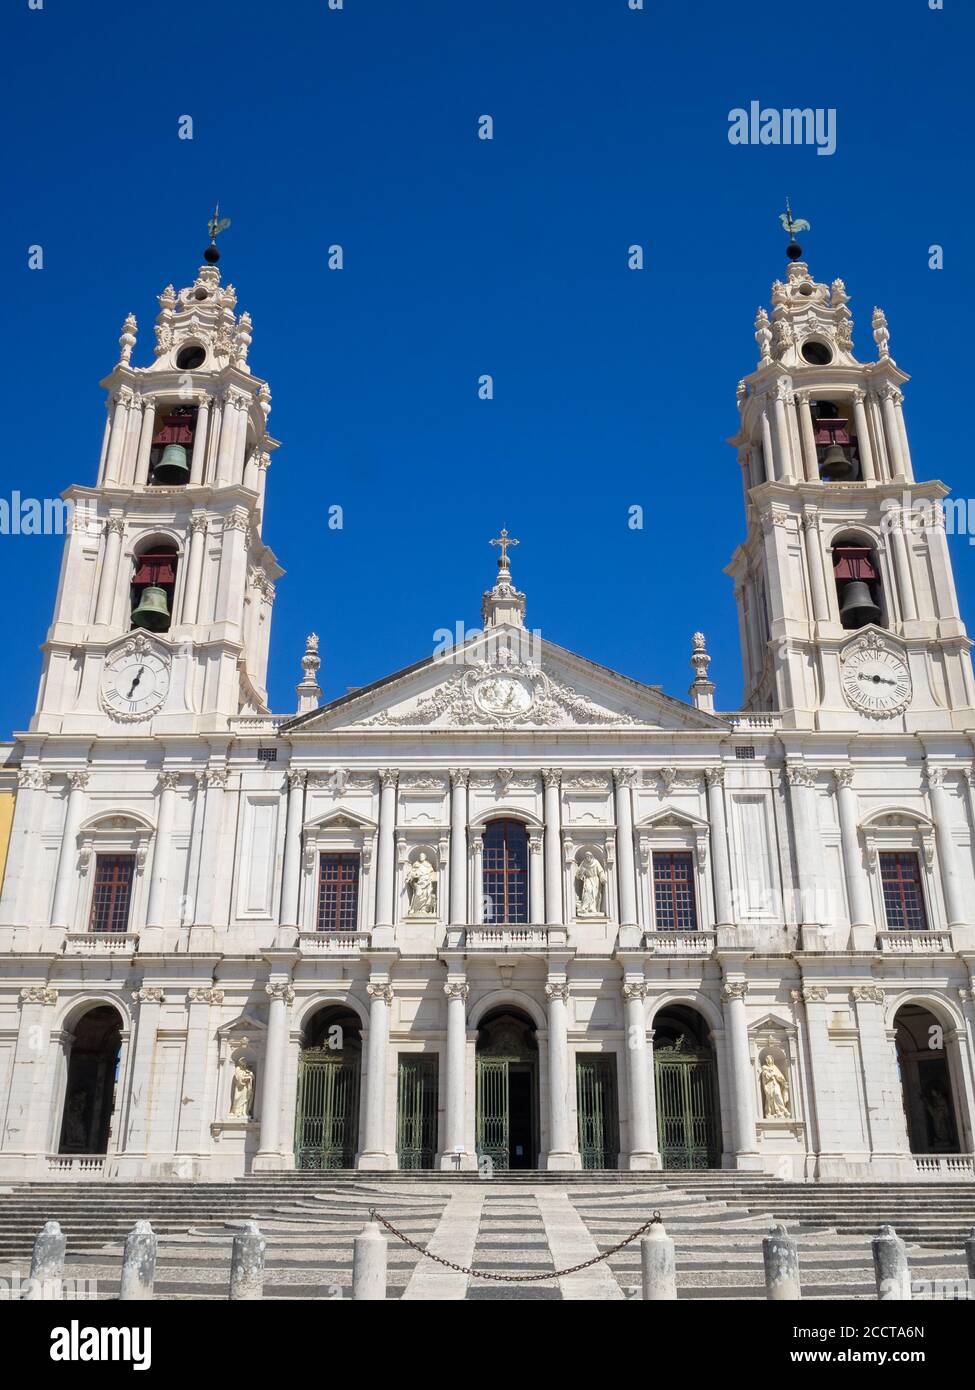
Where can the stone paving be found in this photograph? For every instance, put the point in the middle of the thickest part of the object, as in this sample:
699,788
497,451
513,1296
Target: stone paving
503,1226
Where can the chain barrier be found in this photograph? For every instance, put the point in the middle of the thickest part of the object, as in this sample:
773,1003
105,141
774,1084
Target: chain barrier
514,1278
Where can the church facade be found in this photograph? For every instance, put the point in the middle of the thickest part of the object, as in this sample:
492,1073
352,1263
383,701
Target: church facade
504,908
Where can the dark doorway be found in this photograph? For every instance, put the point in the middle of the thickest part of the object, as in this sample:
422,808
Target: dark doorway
597,1110
327,1109
89,1097
688,1125
507,1091
926,1087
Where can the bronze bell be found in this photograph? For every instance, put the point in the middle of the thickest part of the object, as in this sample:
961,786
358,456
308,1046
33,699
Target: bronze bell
172,470
837,466
858,607
153,610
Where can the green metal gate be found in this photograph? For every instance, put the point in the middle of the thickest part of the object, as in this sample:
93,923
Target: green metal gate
493,1111
327,1112
416,1112
599,1134
687,1110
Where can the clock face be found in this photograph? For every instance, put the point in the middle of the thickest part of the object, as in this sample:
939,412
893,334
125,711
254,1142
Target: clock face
876,681
135,682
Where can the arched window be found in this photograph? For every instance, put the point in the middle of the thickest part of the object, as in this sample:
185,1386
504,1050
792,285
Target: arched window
837,450
858,587
505,874
172,446
153,587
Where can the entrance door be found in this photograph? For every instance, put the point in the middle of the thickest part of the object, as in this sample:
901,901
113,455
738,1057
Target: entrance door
89,1099
327,1115
597,1108
416,1112
507,1091
687,1112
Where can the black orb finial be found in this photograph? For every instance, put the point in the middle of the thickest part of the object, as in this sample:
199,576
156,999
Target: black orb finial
792,225
794,251
215,226
211,255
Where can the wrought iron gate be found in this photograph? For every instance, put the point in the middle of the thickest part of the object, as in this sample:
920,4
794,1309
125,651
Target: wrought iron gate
599,1136
416,1114
493,1111
327,1112
687,1111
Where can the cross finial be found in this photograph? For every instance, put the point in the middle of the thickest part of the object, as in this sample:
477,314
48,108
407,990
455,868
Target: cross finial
504,541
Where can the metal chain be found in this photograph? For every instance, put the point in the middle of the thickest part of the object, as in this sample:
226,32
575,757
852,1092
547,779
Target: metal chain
514,1278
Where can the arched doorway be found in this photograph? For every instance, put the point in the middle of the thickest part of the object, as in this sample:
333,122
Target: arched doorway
926,1085
688,1121
89,1096
507,1090
327,1109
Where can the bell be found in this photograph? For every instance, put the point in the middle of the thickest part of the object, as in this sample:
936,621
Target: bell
858,607
153,610
837,466
172,468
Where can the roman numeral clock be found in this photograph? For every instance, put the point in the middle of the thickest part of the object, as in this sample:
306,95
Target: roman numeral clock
876,677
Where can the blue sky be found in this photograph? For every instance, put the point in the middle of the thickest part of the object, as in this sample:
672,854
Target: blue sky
462,257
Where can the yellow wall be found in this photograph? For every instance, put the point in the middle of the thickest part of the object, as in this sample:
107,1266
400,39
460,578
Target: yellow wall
7,802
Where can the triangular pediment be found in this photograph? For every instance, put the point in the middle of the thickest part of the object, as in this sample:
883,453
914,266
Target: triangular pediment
508,681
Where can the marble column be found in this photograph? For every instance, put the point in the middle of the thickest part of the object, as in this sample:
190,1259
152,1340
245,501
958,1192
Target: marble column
768,451
554,913
895,522
233,569
951,880
736,1024
198,459
455,1109
810,458
216,790
459,778
563,1152
374,1153
281,996
194,569
145,442
724,912
66,882
159,878
291,871
861,429
780,434
886,1125
802,790
192,1120
640,1085
624,778
149,999
116,443
814,563
232,418
30,1067
857,883
888,396
536,879
481,909
108,580
386,863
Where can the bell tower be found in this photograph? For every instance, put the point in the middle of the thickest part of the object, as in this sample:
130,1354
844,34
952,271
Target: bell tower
847,608
163,613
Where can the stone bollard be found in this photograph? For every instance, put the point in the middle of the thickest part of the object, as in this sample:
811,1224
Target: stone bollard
657,1263
781,1256
247,1263
138,1263
47,1264
970,1252
890,1266
369,1253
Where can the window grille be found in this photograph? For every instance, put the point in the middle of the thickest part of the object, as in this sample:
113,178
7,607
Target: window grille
674,906
338,892
900,878
505,872
112,894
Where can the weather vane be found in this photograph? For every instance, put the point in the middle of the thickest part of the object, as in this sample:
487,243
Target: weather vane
793,225
504,541
215,226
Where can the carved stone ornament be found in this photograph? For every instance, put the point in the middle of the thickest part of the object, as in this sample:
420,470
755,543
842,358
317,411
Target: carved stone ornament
735,990
38,994
456,990
279,992
557,989
383,992
502,693
149,994
867,994
635,989
205,996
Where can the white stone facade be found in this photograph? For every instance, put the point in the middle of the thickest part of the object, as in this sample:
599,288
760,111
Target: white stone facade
836,1042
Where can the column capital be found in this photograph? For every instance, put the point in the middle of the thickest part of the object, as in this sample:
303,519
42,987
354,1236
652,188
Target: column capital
149,994
557,989
552,777
714,776
78,781
168,780
867,994
388,777
297,779
800,775
635,989
935,775
380,991
279,993
812,994
460,778
204,995
843,777
456,990
38,994
625,776
734,989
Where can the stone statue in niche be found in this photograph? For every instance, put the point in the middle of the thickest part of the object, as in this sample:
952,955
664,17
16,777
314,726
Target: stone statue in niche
590,881
242,1091
775,1090
421,880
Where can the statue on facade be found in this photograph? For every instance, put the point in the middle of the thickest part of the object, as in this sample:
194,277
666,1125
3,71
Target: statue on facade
591,877
421,880
242,1091
775,1090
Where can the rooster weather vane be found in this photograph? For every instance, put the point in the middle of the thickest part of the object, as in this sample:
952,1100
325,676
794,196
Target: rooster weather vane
793,225
215,226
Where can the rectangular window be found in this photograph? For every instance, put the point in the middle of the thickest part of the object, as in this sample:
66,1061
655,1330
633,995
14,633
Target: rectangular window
338,892
674,906
900,878
112,895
